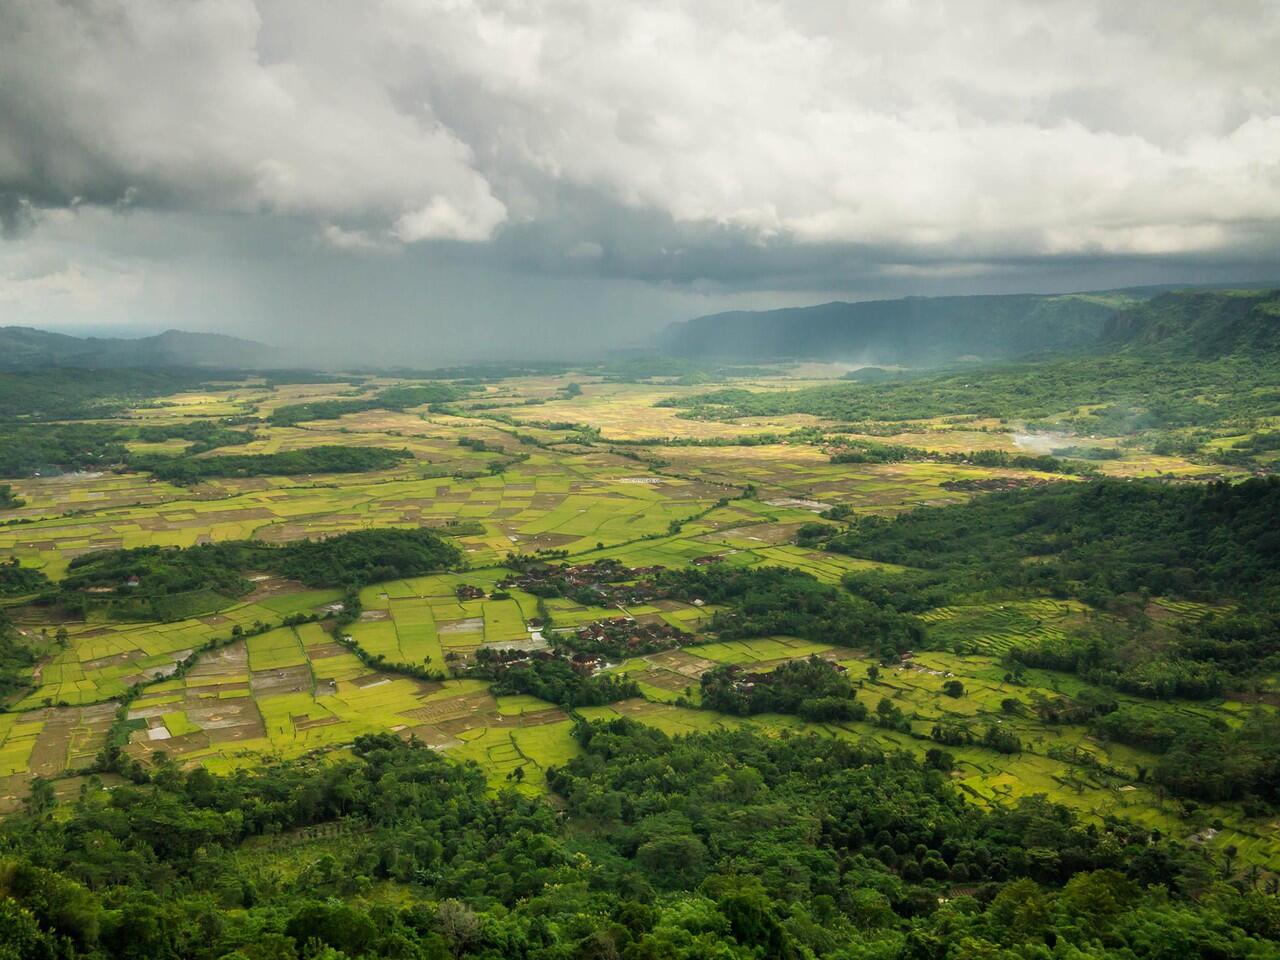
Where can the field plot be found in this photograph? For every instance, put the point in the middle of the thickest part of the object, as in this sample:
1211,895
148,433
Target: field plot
626,411
552,500
293,691
102,660
501,751
540,482
996,627
47,743
275,650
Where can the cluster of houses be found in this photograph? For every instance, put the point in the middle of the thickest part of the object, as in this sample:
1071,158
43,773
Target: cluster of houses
603,579
466,591
625,635
584,663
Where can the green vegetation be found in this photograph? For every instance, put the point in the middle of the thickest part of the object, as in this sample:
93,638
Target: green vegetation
725,698
393,398
557,681
775,600
813,689
16,659
17,580
869,451
26,448
65,393
1097,540
1112,545
294,413
731,845
1128,394
365,556
326,459
166,583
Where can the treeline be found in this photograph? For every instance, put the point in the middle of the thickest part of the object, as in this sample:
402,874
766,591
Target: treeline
362,557
393,398
1122,659
771,601
727,845
287,463
18,581
26,448
65,393
165,583
1095,540
1202,759
1262,444
9,499
555,680
812,689
871,451
16,661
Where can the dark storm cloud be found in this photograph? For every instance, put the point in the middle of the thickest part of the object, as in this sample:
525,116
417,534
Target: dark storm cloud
573,168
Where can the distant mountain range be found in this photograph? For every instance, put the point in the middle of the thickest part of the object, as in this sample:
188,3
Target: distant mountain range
26,347
929,331
911,332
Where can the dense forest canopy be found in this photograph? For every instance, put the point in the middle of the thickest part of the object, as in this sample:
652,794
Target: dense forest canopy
56,393
1112,544
726,845
322,459
1199,541
777,600
29,448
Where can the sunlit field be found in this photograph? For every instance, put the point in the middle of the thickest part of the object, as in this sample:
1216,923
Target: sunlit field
602,474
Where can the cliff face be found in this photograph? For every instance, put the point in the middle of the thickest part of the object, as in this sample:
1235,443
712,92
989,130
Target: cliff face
1199,323
912,332
922,332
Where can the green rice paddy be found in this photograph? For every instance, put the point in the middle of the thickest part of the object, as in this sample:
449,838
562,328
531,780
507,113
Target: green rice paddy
282,692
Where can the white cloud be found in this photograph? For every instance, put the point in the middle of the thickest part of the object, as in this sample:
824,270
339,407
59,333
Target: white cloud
444,219
194,104
991,128
357,241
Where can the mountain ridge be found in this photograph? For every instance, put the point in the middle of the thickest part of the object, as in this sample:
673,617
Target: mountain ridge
29,347
933,331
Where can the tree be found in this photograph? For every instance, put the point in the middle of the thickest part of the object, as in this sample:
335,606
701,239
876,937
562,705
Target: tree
42,798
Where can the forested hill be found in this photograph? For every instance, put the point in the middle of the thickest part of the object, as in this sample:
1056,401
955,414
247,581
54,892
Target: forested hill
1200,323
916,331
26,348
919,331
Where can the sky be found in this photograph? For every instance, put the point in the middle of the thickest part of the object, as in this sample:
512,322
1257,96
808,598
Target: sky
419,180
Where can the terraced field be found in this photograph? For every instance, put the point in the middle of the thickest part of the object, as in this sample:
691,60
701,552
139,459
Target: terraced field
997,627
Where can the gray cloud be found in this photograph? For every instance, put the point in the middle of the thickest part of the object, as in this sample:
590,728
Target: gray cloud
685,154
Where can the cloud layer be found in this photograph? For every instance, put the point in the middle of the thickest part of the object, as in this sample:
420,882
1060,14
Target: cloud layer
669,141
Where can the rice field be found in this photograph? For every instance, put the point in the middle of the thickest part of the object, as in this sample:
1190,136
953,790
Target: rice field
281,692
